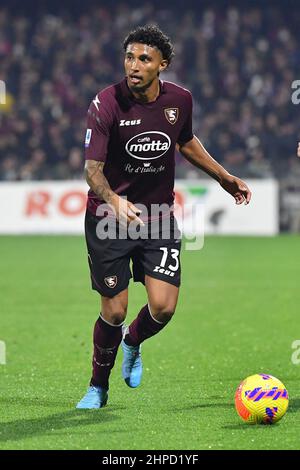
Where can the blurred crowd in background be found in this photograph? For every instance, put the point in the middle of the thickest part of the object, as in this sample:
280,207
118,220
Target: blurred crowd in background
238,62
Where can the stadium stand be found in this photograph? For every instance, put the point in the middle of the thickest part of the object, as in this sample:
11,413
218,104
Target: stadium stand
239,62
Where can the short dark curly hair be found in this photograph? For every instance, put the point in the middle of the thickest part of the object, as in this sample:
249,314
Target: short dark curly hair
152,36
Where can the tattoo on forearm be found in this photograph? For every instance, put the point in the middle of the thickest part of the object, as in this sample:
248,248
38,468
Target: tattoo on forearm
97,181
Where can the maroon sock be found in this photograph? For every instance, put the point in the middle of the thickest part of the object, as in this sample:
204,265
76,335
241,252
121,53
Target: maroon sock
107,338
143,327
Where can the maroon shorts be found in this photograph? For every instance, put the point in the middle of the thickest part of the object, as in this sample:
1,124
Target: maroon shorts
112,258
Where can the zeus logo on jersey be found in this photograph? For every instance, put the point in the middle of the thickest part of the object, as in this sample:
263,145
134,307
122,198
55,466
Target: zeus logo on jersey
133,122
96,102
148,145
88,136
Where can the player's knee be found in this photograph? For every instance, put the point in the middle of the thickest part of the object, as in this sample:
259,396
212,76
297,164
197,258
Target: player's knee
118,317
164,316
162,312
114,312
114,309
114,317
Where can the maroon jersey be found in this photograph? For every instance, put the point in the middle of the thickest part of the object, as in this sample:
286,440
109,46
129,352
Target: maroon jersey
137,141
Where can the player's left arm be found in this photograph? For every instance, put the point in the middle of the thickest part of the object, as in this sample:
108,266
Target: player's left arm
196,154
298,150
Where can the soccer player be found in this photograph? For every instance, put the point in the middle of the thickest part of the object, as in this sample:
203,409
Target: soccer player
298,150
133,128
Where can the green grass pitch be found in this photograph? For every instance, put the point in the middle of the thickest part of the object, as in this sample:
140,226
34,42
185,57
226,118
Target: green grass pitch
238,315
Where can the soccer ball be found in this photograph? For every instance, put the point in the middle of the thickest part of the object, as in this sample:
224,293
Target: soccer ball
261,398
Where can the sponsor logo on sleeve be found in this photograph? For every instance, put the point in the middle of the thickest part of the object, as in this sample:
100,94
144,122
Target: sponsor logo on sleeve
88,136
96,102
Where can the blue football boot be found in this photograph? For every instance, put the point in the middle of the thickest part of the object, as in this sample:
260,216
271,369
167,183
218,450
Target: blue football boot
95,397
132,367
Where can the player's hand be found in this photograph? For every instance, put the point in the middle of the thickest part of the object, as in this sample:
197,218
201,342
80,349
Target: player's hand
237,188
125,211
298,150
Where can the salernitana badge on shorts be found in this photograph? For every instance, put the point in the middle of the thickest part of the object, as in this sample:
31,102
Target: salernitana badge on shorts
171,114
111,281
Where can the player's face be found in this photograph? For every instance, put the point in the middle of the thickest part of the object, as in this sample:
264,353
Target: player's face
142,66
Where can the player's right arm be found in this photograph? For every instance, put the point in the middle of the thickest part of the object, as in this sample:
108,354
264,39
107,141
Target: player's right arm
125,211
298,151
96,180
99,124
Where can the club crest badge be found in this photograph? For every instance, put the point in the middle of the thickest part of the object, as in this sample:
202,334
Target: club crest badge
172,115
111,281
